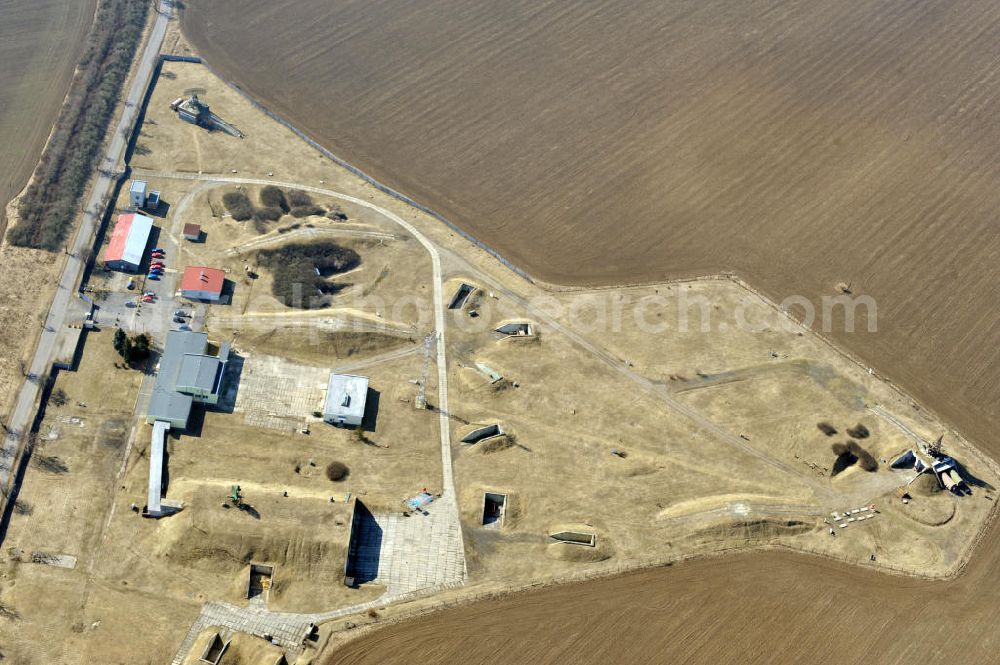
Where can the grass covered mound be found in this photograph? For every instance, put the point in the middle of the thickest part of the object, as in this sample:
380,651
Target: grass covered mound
302,271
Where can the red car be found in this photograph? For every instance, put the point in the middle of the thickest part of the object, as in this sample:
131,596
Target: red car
156,264
147,298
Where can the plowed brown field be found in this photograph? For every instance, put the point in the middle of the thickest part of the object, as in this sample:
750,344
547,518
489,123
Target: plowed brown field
40,44
607,142
800,144
751,608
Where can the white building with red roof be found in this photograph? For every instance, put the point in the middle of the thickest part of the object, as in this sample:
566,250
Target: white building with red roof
128,242
203,283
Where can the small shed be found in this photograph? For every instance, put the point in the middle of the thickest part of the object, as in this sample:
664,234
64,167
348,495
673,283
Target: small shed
346,395
192,232
137,194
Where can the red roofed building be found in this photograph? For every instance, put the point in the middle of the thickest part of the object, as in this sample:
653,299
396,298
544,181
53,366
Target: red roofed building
192,232
128,242
201,283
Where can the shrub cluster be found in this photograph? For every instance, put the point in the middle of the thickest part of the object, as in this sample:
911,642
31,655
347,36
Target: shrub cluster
865,459
268,213
852,453
301,271
133,348
859,431
827,428
238,205
273,197
306,210
337,471
48,208
297,198
302,204
274,204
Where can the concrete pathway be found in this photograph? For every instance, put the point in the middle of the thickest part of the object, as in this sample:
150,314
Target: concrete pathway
289,631
419,551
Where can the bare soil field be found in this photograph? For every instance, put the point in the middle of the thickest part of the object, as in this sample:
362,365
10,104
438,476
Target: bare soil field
771,607
40,44
800,146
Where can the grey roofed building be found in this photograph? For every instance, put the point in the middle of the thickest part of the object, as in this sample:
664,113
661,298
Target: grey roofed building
345,399
169,406
156,446
198,373
186,375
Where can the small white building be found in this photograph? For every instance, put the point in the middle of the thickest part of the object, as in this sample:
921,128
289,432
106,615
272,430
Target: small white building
345,400
137,194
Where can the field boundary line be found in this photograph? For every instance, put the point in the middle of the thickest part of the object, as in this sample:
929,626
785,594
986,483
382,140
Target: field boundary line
371,180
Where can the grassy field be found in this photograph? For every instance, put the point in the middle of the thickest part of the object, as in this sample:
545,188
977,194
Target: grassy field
801,146
40,43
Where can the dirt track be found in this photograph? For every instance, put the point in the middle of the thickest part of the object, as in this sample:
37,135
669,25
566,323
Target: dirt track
40,44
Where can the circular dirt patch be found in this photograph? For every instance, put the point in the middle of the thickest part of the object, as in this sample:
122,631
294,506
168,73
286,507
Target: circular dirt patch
931,511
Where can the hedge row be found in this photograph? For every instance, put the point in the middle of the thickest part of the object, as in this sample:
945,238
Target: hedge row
48,208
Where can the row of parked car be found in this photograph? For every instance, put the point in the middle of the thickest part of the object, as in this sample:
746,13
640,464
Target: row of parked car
156,265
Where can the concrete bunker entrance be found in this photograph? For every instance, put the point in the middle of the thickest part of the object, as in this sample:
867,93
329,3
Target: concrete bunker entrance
364,549
260,582
461,295
575,538
516,329
214,650
483,433
494,506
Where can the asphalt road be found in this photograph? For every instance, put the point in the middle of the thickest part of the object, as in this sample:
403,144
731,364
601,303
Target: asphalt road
112,162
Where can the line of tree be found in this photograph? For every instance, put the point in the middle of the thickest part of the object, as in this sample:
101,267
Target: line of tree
48,208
